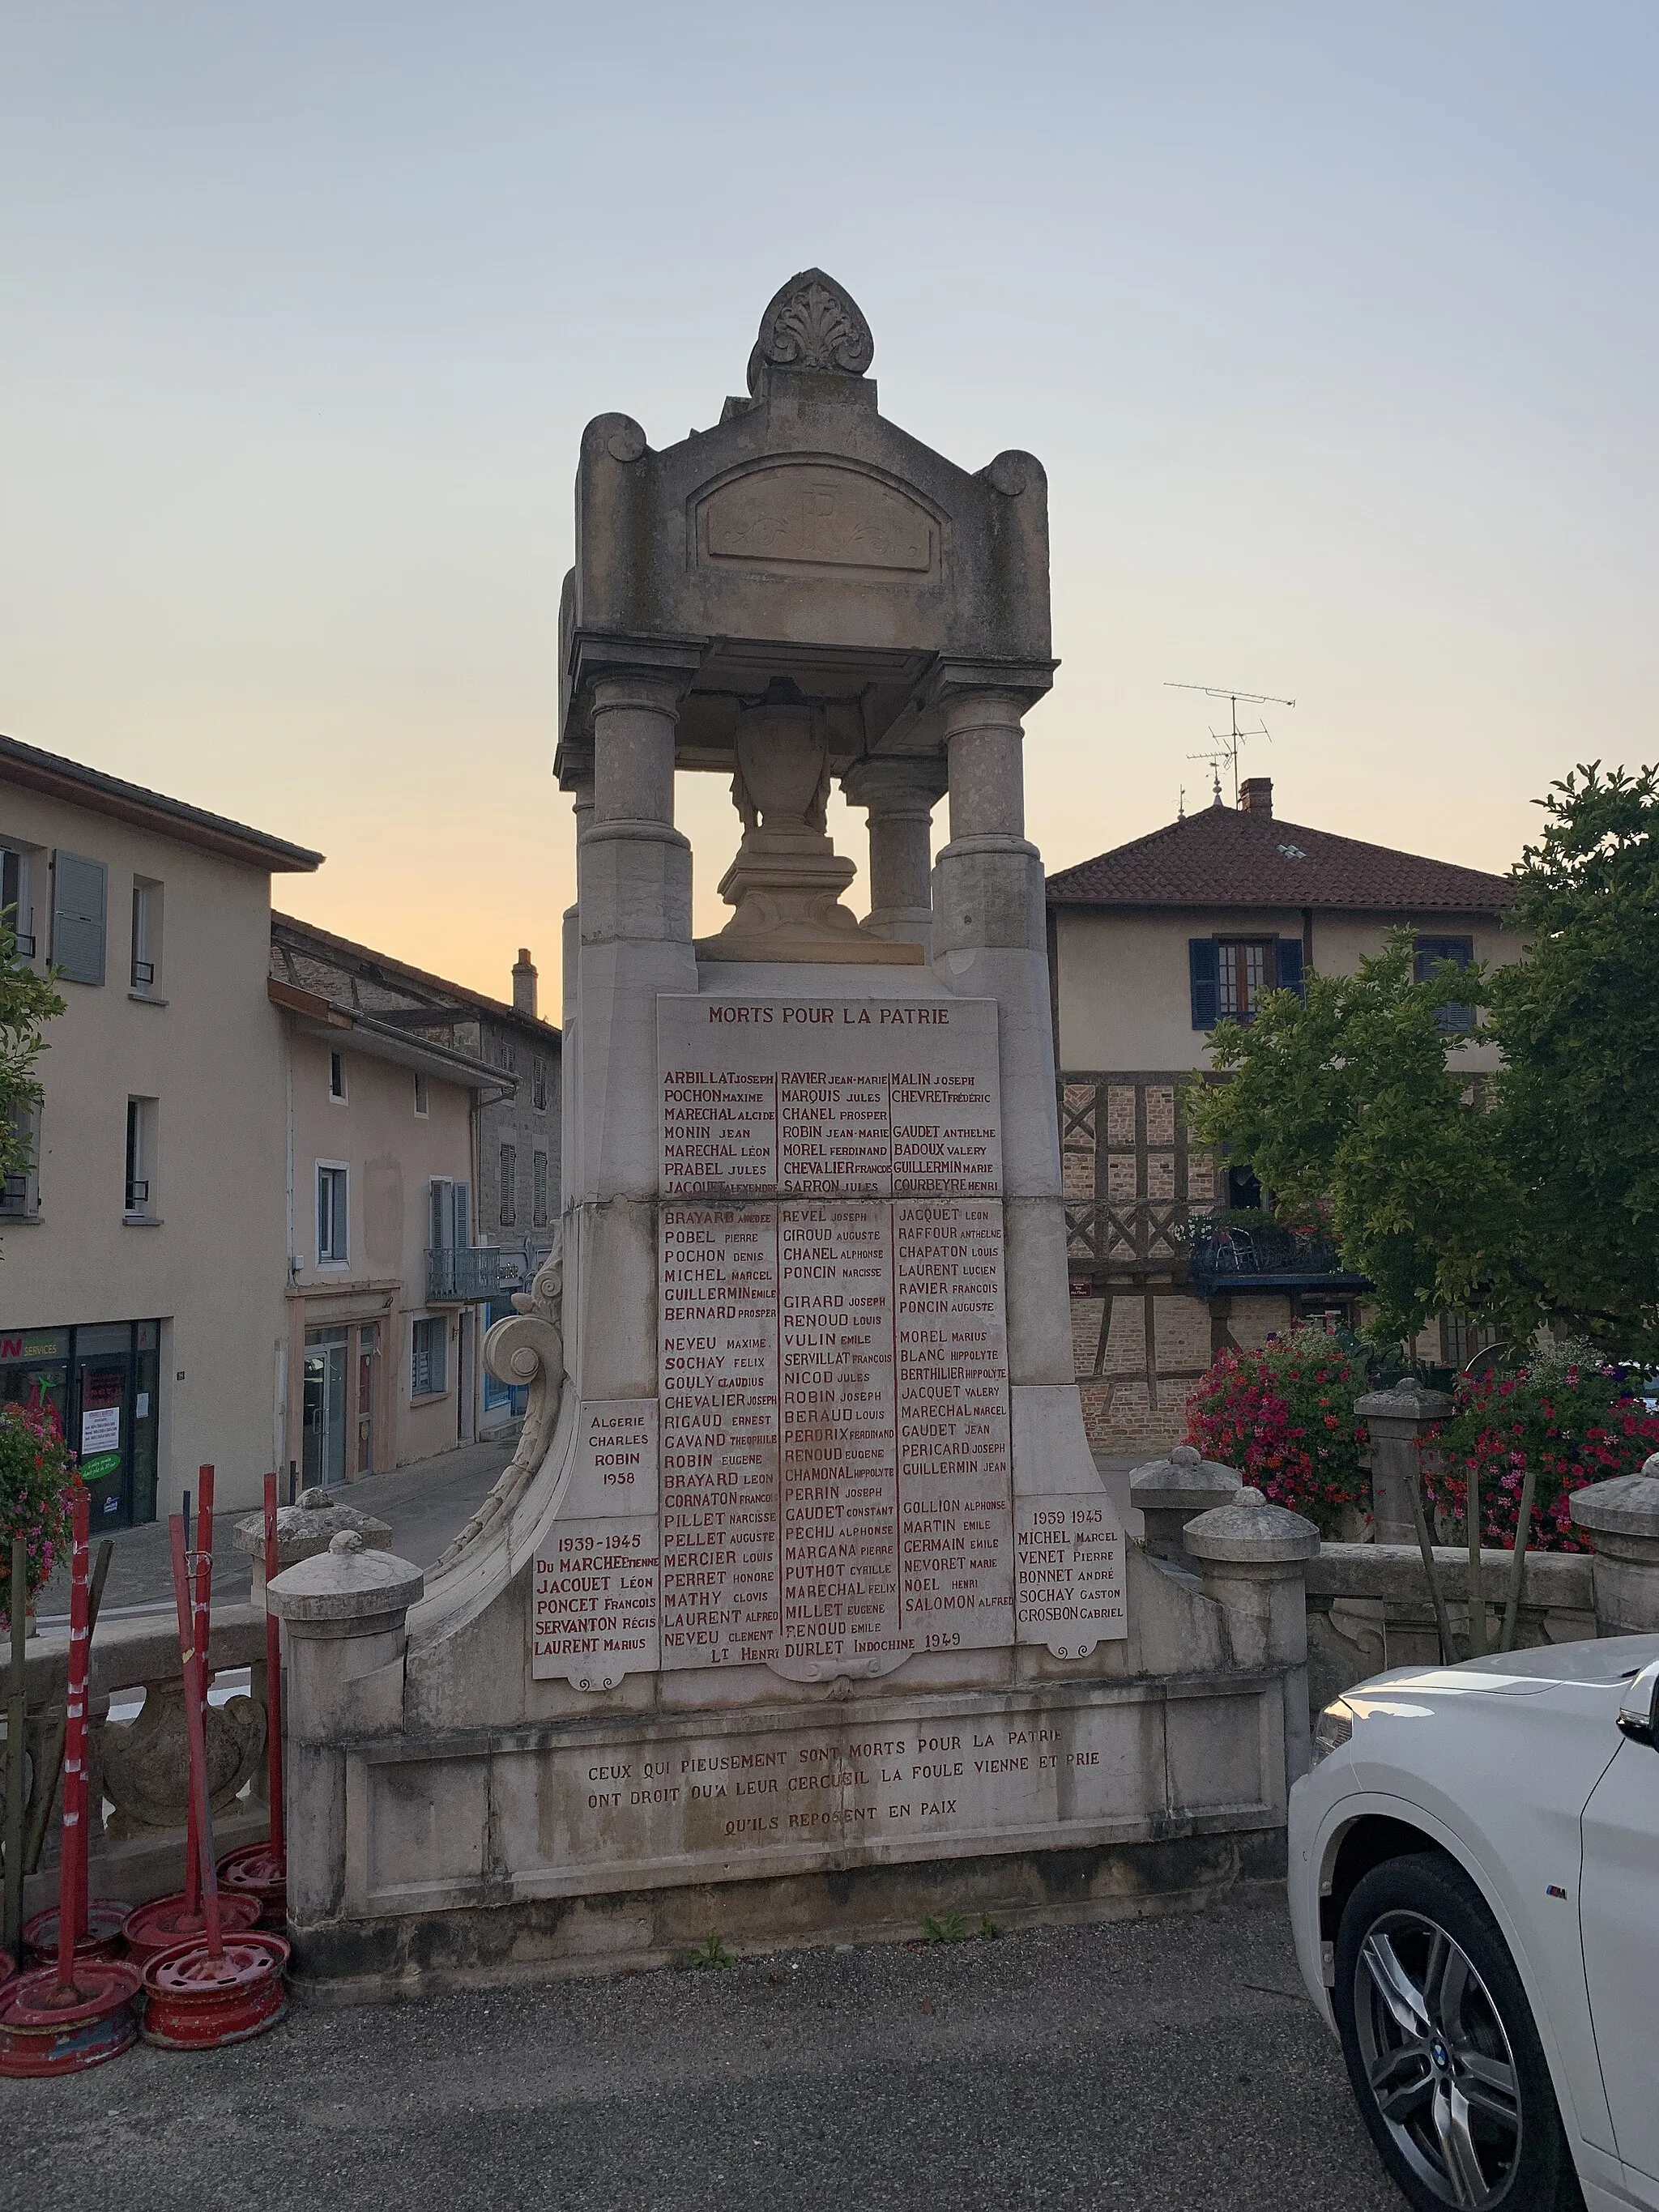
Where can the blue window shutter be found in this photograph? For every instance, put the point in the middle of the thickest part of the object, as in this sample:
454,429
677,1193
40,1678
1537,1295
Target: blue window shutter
78,894
1290,963
1202,969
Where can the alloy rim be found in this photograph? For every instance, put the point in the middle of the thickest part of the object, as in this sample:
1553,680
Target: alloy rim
1439,2062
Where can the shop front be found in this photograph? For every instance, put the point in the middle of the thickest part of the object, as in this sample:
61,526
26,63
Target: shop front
102,1381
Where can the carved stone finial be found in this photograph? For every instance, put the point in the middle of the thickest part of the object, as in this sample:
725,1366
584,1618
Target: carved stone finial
811,323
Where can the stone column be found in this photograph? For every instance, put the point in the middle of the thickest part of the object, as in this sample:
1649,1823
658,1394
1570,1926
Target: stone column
990,941
1170,1493
1252,1558
1399,1420
635,894
570,1173
900,793
1621,1519
342,1613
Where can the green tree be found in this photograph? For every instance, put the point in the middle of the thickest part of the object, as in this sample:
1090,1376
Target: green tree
1533,1198
1344,1106
27,1002
1577,1118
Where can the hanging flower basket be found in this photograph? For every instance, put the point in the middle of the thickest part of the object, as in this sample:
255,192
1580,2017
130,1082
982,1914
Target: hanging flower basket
37,1484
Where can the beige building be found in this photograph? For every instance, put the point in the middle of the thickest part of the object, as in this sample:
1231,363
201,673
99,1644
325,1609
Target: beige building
142,1289
1150,944
423,1177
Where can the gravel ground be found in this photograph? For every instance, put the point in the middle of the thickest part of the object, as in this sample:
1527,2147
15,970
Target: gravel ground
1156,2066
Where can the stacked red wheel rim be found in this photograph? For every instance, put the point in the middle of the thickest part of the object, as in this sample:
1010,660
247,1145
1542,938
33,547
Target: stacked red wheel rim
100,1922
48,2028
195,2002
258,1875
166,1922
62,2018
209,1989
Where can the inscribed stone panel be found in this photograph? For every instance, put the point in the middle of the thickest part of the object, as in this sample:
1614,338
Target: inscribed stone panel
833,1365
595,1601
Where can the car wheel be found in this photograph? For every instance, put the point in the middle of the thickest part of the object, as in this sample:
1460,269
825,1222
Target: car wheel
1440,2045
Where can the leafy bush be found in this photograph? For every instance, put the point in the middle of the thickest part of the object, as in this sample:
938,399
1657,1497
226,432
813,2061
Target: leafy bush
1567,1415
37,1483
1283,1418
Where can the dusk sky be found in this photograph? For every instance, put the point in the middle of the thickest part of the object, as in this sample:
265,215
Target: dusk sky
1336,328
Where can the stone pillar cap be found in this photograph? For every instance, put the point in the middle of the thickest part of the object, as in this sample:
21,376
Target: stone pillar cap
1185,1478
1407,1400
309,1527
1251,1533
1627,1506
347,1583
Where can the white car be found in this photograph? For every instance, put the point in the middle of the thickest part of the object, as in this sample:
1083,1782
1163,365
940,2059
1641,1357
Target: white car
1474,1889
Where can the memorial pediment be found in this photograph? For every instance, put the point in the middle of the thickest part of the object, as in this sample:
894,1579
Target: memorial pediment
804,524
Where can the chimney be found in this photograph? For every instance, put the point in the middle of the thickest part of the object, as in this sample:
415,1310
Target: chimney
524,983
1256,796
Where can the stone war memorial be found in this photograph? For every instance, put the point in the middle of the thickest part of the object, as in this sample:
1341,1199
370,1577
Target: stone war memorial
801,1611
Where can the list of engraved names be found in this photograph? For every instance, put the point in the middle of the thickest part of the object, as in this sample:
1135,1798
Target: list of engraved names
835,1477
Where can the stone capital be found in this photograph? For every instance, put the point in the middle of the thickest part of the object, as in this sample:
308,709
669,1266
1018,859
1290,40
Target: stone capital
895,785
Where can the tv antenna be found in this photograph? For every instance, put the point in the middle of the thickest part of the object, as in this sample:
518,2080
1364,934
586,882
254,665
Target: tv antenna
1228,741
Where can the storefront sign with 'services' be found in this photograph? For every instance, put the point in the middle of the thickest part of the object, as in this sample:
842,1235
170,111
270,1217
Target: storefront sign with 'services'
832,1489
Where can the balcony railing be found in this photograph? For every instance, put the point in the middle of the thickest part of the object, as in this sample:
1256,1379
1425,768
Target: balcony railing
464,1275
1225,1252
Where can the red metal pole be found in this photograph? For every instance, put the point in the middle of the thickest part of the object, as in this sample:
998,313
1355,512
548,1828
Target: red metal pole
72,1869
273,1682
196,1729
199,1619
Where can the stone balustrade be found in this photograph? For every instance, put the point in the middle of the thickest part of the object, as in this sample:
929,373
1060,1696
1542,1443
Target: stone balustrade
137,1762
1367,1606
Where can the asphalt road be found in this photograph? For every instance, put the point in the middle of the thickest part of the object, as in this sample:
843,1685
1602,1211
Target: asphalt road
425,1506
1156,2066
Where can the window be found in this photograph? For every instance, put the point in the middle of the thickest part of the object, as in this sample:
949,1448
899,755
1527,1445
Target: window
539,1190
146,935
332,1234
1228,976
337,1087
140,1199
1454,1021
15,907
20,1191
431,1339
450,1216
420,1094
78,902
538,1085
509,1177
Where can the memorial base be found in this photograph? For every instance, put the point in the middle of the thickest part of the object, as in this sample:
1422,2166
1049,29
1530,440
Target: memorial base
543,1939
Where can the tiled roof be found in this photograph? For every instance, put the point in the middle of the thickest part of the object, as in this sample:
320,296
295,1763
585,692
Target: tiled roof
1225,857
132,802
374,983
